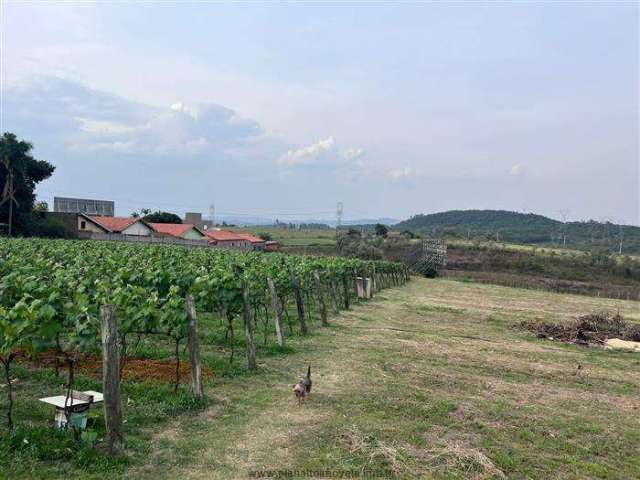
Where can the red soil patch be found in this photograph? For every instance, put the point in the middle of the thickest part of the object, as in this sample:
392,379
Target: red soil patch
145,369
137,369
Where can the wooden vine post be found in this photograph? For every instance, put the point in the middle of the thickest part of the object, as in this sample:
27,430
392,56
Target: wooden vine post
277,310
194,349
323,306
6,363
111,379
248,329
295,286
374,283
334,296
345,290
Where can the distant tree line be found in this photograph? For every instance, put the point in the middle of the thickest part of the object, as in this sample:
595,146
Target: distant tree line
513,227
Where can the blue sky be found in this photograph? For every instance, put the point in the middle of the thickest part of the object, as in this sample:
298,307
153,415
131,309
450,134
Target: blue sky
286,109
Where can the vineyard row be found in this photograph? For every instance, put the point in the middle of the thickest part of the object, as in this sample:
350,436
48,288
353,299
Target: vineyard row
76,297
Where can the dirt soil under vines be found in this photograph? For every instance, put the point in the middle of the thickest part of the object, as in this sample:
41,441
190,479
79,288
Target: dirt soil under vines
138,369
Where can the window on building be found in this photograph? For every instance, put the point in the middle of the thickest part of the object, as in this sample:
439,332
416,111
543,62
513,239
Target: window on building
83,225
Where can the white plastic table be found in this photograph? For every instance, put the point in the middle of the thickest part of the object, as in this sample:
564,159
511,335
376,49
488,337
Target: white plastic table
59,400
77,406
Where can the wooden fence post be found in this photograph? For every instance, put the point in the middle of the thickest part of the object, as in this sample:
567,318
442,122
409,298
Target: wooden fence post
295,286
345,290
323,306
275,304
194,349
111,379
248,329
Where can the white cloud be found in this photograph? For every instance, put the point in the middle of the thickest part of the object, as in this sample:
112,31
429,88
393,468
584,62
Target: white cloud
352,153
197,145
324,152
83,120
400,174
116,146
188,109
516,170
103,127
307,155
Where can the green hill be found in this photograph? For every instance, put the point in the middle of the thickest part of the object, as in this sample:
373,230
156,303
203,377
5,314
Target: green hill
525,228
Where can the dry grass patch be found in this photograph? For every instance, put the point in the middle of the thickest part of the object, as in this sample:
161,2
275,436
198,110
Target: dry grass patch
433,381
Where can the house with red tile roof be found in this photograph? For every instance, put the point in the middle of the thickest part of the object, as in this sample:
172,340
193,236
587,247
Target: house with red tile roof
224,238
178,230
123,225
256,242
271,246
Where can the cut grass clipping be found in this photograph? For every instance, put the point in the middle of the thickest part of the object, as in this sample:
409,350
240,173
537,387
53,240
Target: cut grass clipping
592,329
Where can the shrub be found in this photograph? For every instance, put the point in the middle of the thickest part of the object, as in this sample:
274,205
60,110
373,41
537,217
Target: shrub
39,225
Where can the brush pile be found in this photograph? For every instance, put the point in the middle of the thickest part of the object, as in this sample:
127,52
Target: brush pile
591,329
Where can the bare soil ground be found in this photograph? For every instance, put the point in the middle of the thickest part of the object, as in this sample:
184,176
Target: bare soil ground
136,369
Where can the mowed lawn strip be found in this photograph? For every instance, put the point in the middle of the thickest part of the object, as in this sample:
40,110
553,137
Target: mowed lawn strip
427,380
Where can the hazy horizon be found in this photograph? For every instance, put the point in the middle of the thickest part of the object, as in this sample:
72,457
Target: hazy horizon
283,110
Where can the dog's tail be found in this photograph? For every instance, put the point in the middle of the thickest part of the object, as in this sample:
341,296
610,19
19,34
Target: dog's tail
309,372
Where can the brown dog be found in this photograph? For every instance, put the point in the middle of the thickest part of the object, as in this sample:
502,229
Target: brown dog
302,389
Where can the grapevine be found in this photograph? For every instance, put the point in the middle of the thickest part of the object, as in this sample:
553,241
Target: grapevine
51,292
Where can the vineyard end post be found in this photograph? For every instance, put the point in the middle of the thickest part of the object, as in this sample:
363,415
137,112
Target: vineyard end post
345,290
295,286
334,296
111,379
194,349
323,306
248,329
275,304
374,283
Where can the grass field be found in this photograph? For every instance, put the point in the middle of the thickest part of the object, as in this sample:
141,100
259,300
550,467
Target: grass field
316,237
292,237
428,380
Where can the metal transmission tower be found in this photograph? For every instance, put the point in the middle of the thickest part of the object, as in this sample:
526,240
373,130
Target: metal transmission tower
564,213
339,214
8,192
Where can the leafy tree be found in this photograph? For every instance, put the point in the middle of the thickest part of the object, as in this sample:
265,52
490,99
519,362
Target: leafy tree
381,230
265,236
41,207
142,213
27,173
162,217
